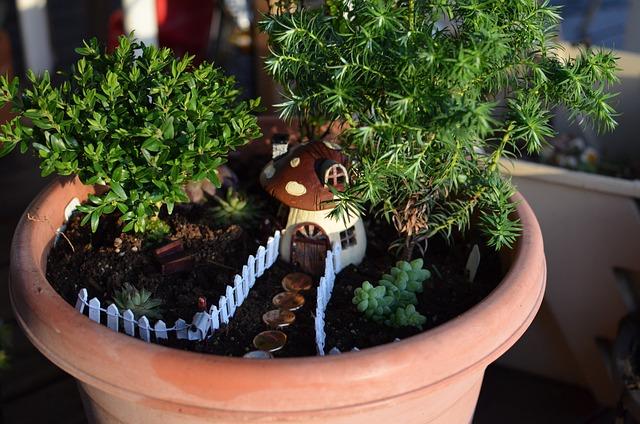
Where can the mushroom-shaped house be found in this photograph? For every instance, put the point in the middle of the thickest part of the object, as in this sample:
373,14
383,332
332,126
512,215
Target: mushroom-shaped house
300,179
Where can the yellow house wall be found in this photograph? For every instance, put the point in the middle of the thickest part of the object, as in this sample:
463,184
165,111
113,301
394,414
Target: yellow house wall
332,227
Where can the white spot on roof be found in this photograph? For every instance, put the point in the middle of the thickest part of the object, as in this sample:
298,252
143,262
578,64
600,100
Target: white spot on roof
294,188
294,162
269,170
332,146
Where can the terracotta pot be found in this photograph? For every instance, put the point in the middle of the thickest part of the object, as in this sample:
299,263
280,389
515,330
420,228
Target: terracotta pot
434,377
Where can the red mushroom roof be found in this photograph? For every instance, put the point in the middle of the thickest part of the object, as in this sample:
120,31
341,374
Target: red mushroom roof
296,179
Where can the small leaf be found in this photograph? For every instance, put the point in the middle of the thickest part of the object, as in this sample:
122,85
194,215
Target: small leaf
118,190
95,220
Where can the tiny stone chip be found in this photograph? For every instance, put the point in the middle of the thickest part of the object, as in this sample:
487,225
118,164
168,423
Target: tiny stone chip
278,318
297,281
288,301
270,341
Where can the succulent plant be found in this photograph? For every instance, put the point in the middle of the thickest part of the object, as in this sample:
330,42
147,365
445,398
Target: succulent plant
235,208
374,302
393,300
139,302
406,316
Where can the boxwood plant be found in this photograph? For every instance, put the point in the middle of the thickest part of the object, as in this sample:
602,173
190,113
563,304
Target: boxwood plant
139,121
433,93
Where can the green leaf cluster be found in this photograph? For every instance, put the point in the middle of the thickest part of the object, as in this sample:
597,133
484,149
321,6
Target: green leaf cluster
139,121
393,300
139,302
156,230
433,93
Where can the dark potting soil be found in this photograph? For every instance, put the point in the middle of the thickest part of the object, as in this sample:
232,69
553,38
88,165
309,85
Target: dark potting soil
219,253
95,263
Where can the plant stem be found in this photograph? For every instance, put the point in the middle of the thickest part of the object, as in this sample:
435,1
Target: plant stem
497,154
409,246
412,15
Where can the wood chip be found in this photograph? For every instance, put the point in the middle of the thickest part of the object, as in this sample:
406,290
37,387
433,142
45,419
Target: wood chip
165,253
183,264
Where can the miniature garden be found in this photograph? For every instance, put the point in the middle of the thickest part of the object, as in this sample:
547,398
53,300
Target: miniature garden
379,214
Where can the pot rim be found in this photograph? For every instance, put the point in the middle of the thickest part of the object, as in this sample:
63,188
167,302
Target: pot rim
187,376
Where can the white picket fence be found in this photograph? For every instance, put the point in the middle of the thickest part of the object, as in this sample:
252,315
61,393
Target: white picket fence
332,266
203,324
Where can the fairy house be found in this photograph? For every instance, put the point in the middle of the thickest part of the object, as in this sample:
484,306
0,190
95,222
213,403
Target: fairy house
300,177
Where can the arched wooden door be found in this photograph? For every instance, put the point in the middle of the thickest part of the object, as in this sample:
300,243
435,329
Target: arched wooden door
309,246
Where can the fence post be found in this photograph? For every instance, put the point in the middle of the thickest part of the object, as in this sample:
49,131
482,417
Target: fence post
251,265
224,312
181,329
328,264
161,330
112,317
215,319
94,310
276,238
270,252
231,301
320,293
143,324
260,258
239,288
337,259
128,321
82,300
320,334
245,280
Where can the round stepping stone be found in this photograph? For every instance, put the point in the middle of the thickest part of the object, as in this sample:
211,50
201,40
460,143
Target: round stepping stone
278,318
270,341
297,281
289,301
258,354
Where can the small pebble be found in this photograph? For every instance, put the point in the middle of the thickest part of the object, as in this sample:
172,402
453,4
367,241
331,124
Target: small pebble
117,242
134,249
117,250
258,354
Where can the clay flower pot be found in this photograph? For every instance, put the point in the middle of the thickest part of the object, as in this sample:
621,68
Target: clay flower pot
433,377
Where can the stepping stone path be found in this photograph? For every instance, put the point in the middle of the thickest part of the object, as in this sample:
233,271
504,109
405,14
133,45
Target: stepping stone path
288,301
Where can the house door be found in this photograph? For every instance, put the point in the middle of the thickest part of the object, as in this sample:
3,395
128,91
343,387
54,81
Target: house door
309,246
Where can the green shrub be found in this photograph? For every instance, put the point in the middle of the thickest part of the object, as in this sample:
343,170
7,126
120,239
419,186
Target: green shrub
434,93
143,124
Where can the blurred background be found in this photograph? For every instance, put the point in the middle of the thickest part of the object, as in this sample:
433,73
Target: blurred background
575,364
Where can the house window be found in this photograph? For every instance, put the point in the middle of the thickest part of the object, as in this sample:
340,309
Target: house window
336,176
348,237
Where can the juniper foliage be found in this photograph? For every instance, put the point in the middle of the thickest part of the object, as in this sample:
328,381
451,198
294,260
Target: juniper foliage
432,94
142,124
